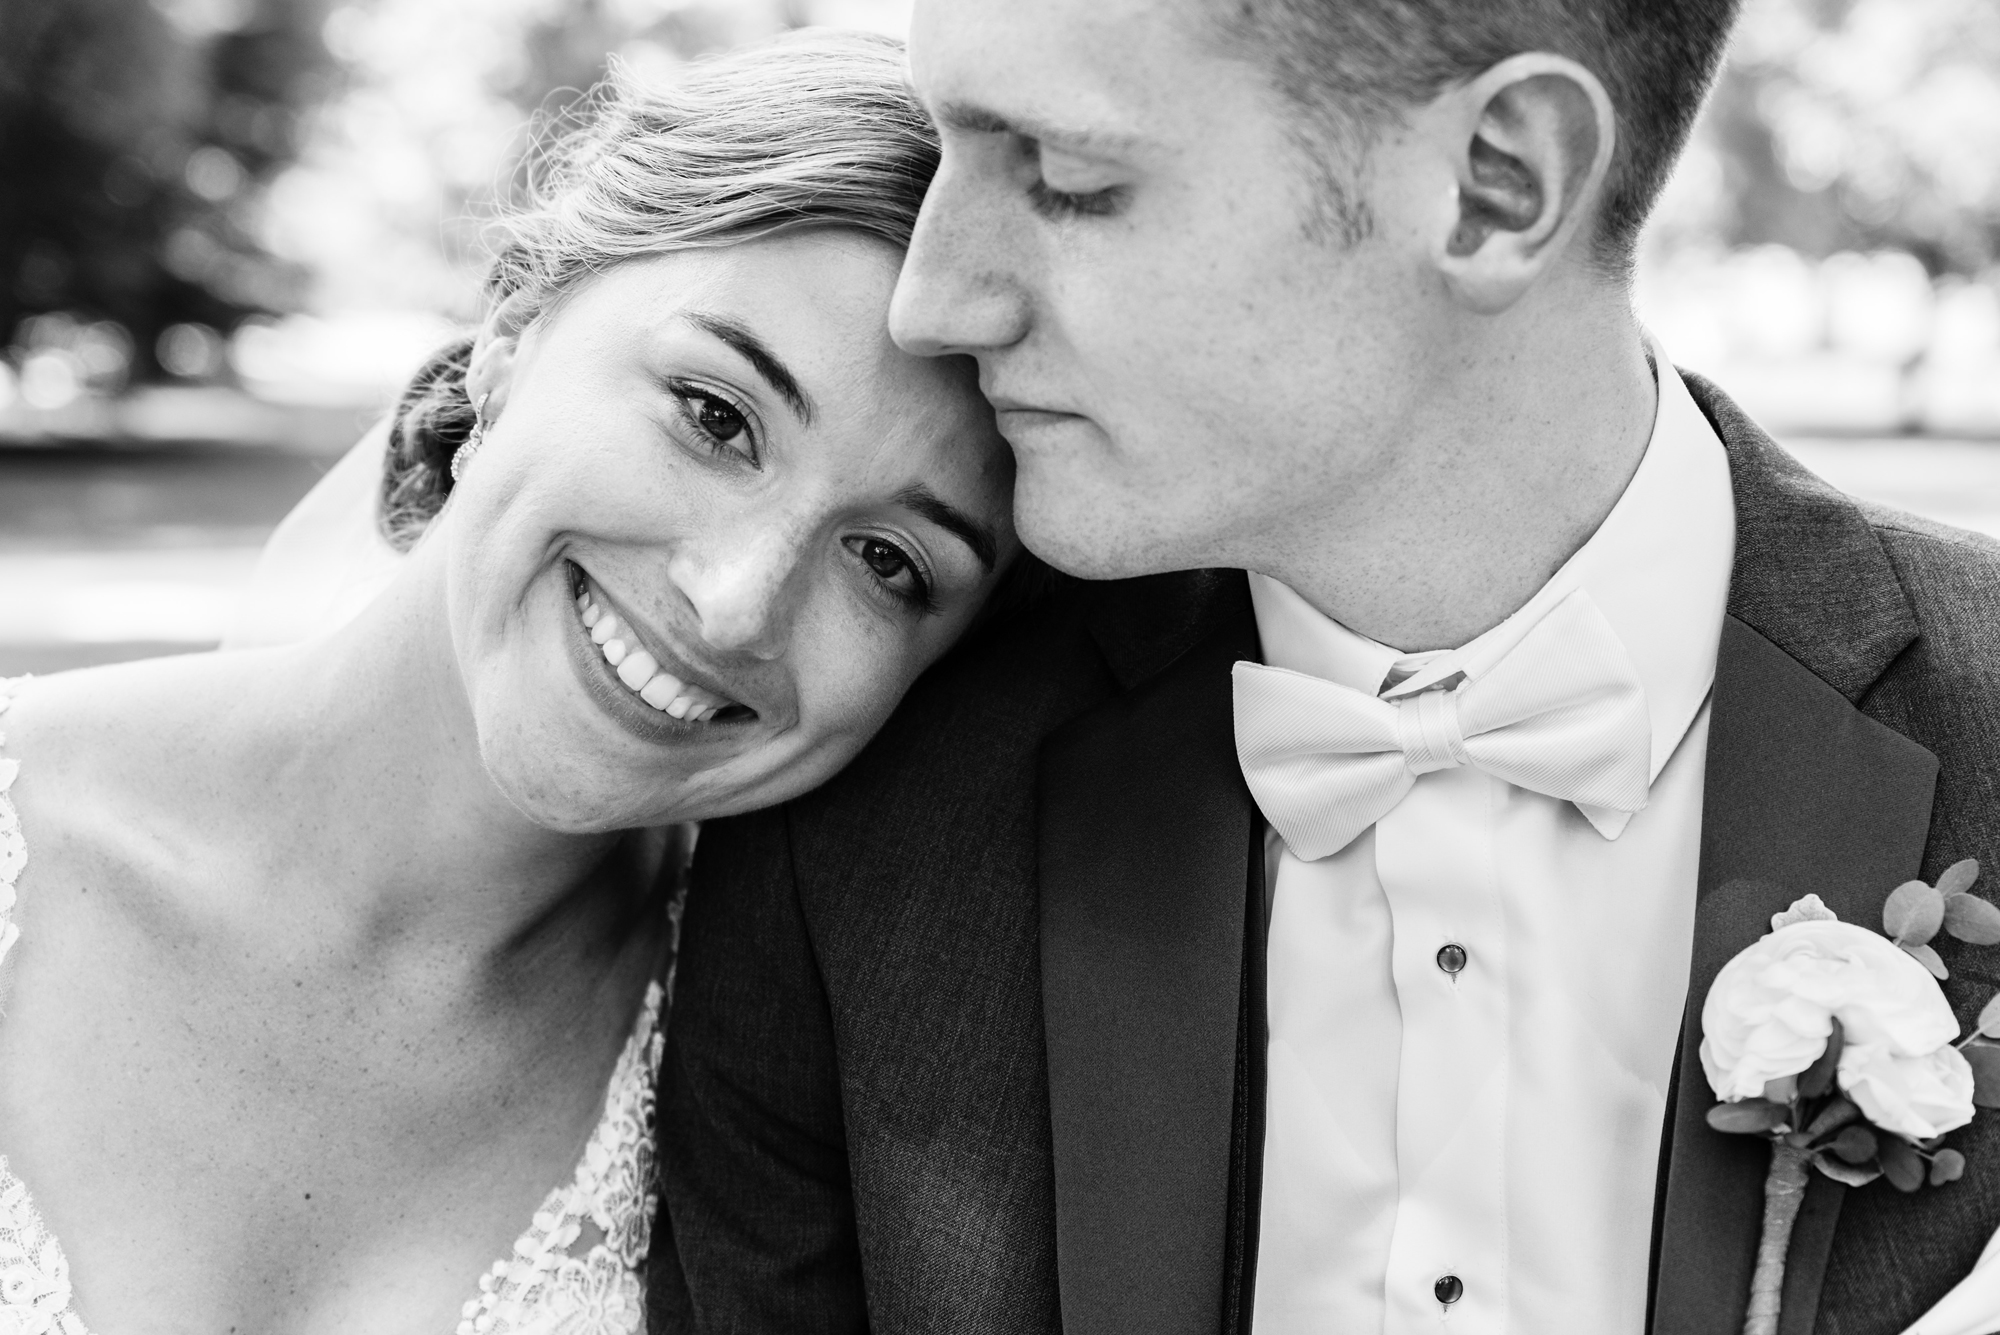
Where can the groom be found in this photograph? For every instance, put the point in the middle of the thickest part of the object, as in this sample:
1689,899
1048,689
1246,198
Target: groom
1323,948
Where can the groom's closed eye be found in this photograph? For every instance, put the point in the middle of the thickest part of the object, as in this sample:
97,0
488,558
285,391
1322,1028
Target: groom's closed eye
1071,165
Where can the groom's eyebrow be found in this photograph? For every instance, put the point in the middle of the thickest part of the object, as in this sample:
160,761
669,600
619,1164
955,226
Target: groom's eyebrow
979,120
752,350
979,537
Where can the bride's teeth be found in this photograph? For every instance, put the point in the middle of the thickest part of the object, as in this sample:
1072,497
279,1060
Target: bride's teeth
641,672
637,669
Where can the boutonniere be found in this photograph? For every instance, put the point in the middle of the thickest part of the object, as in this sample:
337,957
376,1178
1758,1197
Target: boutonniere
1835,1043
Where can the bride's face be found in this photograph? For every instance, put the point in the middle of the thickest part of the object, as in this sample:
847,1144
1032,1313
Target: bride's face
719,524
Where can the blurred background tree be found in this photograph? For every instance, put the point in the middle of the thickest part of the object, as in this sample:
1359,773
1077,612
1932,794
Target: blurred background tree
133,136
1862,125
178,172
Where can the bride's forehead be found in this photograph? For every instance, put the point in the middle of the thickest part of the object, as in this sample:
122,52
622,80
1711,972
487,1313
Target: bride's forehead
817,301
813,284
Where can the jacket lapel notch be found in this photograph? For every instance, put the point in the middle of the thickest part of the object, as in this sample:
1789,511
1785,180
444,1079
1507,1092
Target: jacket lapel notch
1145,834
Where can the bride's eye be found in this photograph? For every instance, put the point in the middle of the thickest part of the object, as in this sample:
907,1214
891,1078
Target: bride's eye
721,423
894,568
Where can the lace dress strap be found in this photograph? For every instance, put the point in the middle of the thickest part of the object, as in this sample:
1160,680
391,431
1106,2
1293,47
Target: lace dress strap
13,845
580,1268
34,1274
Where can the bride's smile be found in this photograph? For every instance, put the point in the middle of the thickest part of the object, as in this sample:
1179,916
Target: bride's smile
641,663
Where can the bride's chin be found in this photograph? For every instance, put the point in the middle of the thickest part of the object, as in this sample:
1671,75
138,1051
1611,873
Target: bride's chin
570,794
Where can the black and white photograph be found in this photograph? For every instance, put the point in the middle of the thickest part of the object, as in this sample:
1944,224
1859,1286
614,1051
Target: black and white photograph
999,667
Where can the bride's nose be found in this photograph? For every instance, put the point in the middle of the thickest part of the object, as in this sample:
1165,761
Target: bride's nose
745,587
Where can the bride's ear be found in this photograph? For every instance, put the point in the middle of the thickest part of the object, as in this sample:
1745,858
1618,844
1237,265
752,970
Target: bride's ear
491,370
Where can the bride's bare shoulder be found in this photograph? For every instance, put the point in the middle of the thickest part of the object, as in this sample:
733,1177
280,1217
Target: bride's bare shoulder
109,756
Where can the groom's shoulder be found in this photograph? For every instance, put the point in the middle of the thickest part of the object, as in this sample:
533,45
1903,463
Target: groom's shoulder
1951,577
1851,585
1945,686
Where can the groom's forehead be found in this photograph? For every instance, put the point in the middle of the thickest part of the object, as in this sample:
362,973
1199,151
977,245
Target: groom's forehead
1092,54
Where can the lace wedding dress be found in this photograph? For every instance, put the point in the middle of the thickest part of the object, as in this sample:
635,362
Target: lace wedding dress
577,1270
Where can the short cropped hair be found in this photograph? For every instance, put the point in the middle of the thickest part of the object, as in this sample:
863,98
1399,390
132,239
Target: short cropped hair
1351,64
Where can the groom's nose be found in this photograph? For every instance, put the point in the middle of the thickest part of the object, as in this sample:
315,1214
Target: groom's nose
958,292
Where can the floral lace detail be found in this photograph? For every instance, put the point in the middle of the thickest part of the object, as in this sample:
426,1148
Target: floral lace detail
546,1287
34,1274
13,845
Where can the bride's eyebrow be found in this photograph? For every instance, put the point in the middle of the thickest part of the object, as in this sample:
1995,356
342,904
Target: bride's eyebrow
979,537
752,350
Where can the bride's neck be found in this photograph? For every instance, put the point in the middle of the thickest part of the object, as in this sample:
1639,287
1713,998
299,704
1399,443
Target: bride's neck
362,747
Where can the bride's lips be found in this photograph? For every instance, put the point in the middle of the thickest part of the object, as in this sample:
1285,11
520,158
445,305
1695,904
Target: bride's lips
651,690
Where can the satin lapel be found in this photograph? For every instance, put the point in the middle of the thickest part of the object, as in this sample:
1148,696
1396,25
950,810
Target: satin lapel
1146,829
1804,794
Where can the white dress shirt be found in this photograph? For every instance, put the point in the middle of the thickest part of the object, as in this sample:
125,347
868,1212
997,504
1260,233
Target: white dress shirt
1500,1125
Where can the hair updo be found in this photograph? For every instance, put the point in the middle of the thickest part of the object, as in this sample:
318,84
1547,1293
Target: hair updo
811,130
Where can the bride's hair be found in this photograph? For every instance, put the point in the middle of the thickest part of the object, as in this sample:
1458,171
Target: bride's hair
812,130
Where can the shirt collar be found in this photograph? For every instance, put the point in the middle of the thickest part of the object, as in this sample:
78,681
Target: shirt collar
1658,569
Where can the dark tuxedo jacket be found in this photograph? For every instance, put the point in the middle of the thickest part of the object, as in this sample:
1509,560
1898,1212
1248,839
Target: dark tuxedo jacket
971,1039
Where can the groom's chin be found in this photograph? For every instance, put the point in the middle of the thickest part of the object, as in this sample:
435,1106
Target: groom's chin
1091,531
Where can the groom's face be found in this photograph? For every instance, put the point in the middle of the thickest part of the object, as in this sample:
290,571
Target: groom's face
1129,234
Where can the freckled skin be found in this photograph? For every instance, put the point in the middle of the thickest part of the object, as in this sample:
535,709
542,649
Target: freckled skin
742,568
1227,364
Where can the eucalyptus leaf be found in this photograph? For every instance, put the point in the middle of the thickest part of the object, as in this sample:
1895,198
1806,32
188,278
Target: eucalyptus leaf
1972,919
1927,957
1985,1061
1816,1079
1852,1175
1833,1116
1947,1166
1958,877
1901,1164
1989,1018
1749,1117
1855,1144
1913,914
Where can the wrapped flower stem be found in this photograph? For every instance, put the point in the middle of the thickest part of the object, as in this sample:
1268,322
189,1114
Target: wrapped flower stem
1784,1193
1836,1044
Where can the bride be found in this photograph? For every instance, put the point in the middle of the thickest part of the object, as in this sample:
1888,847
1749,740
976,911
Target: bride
332,973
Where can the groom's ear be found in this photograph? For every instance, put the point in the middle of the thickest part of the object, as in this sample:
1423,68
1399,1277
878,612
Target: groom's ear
491,371
1530,143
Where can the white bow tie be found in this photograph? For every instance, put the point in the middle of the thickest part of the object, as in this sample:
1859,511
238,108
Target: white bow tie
1562,713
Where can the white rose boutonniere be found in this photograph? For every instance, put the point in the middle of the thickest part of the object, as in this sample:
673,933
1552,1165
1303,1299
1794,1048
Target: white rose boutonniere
1836,1043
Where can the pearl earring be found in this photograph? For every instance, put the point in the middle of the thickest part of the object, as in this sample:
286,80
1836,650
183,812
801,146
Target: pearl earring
464,454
